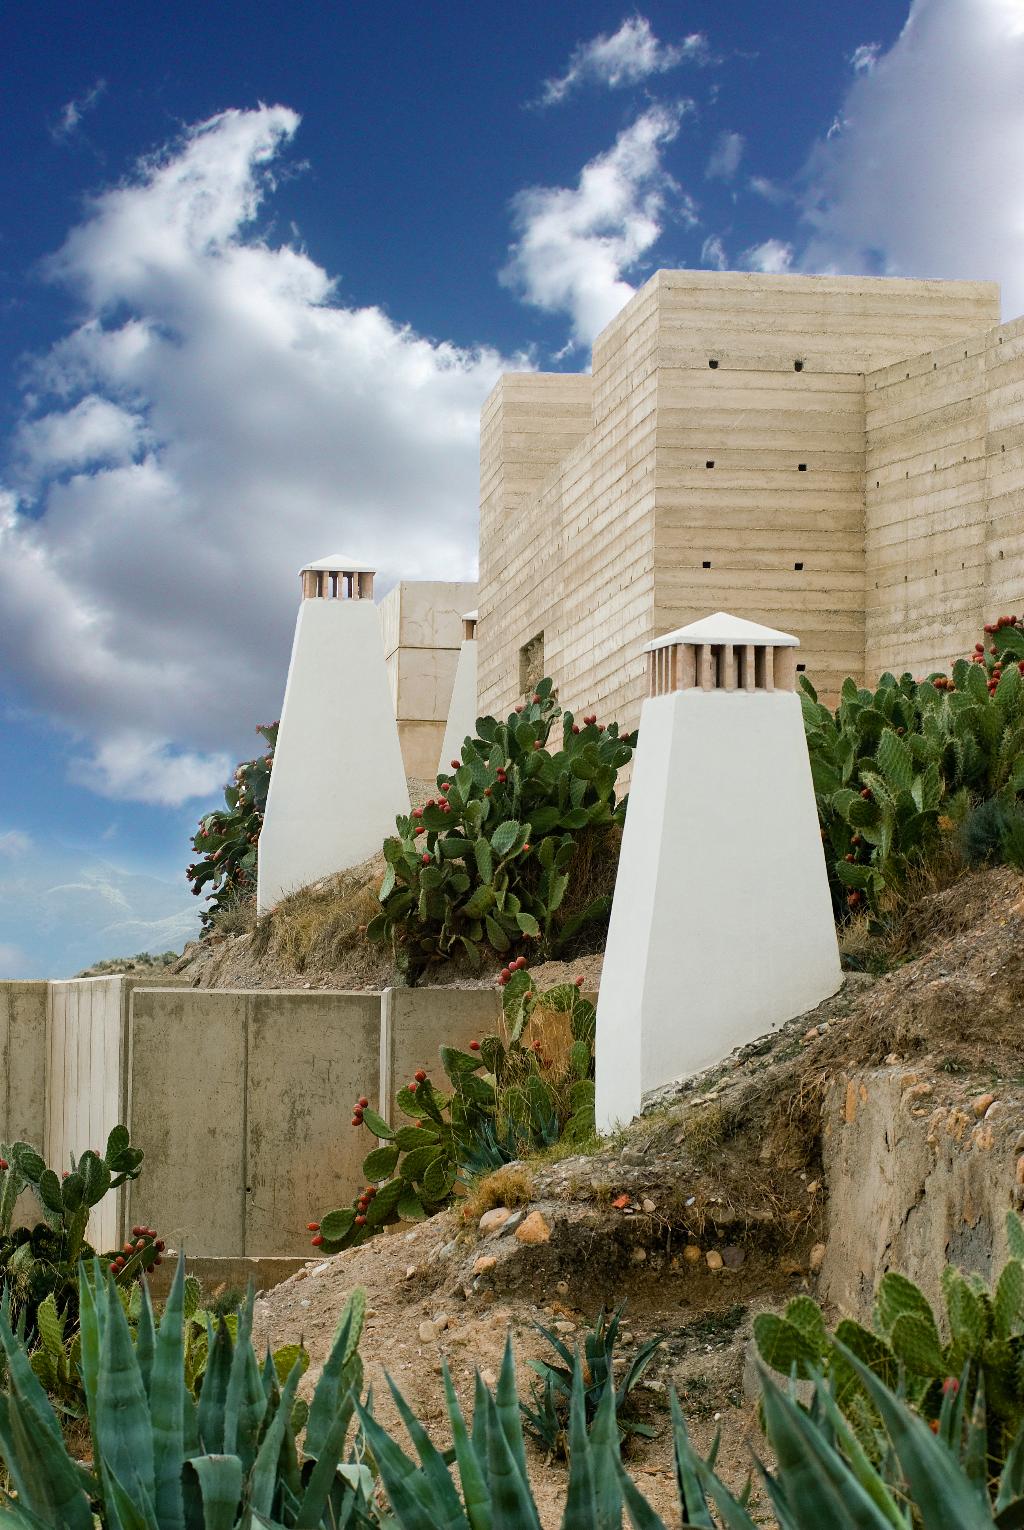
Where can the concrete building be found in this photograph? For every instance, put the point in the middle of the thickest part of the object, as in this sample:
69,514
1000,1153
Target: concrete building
841,457
423,627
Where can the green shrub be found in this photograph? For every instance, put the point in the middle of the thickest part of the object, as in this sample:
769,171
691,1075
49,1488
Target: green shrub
509,1095
226,842
981,1354
43,1261
897,768
160,1458
499,857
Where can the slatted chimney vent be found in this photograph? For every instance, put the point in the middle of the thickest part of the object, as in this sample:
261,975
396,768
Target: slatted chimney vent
722,653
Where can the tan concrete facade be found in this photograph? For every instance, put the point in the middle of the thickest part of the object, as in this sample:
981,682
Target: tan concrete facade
758,444
421,623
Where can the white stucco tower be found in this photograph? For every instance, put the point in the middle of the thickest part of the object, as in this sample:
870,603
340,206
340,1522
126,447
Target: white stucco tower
721,926
338,781
462,712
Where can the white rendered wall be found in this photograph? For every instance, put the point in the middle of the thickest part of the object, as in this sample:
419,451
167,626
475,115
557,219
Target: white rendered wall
462,712
338,781
721,926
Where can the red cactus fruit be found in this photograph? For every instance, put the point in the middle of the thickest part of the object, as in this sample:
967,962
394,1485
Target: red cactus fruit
519,708
159,1245
854,899
454,764
357,1120
317,1241
525,848
313,1226
866,793
426,858
579,981
420,1076
363,1102
474,1046
360,1220
575,728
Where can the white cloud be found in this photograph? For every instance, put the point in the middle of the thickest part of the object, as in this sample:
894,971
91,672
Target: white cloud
576,243
864,58
712,254
217,417
725,157
622,58
772,256
137,768
15,842
73,111
94,430
924,179
770,190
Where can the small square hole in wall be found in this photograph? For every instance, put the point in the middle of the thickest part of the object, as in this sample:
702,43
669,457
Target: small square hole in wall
712,363
706,563
801,668
709,464
531,663
798,366
799,567
801,467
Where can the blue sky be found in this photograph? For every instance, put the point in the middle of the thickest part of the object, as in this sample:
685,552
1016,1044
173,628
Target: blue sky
261,265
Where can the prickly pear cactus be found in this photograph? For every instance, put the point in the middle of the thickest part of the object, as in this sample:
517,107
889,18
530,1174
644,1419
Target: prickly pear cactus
507,1096
979,1346
896,768
487,865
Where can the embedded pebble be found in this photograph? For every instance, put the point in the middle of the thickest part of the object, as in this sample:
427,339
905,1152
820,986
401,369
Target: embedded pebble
483,1264
534,1230
817,1258
493,1219
714,1259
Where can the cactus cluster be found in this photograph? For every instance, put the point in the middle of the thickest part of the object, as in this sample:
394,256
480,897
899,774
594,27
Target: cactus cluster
978,1350
488,863
226,843
43,1260
896,768
507,1096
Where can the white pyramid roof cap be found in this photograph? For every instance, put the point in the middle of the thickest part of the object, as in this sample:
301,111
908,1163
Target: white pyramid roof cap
339,563
725,628
469,616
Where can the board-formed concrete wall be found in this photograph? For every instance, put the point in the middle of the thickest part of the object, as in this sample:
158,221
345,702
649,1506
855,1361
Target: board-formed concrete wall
422,628
944,499
241,1100
719,457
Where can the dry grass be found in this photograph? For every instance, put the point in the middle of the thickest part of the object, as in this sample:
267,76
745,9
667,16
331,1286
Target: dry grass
323,927
705,1129
512,1185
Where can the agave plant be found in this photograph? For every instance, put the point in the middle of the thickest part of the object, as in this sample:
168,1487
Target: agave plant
547,1412
821,1478
163,1461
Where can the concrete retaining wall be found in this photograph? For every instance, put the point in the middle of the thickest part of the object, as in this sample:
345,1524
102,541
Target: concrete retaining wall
241,1100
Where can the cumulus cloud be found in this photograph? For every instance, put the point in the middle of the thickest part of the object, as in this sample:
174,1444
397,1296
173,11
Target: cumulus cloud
576,243
725,157
218,417
771,256
923,174
864,58
622,58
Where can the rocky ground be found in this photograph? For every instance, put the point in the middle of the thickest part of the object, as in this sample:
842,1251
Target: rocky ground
708,1209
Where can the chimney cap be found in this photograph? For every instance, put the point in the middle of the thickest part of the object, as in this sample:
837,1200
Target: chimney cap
336,565
469,616
722,627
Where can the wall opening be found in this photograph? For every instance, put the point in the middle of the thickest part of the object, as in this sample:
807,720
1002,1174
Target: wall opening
531,663
709,464
801,467
798,366
712,364
706,563
799,567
